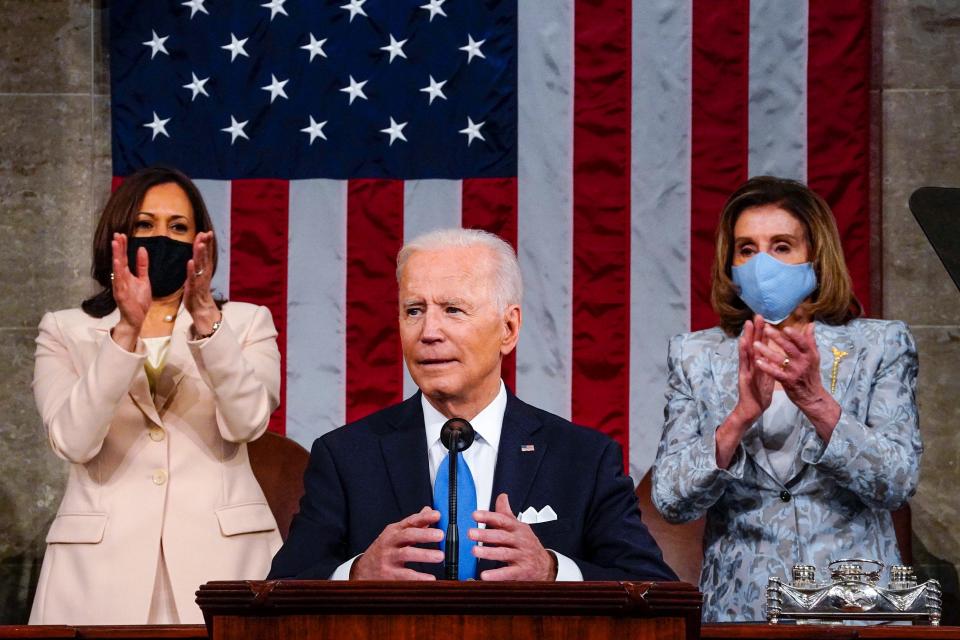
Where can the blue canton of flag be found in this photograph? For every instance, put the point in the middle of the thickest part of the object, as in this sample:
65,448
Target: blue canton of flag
296,89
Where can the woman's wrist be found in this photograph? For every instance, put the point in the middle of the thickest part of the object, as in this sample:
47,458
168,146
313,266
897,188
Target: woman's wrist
125,335
728,437
206,325
823,412
205,319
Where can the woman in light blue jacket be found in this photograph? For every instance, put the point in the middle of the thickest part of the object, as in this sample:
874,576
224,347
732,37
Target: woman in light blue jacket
792,425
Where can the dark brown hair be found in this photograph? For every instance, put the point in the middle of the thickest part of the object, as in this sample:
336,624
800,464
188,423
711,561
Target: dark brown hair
833,300
120,215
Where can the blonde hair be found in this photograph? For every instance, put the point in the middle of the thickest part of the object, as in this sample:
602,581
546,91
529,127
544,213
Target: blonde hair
833,301
508,281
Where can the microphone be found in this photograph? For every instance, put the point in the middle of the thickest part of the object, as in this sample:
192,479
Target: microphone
456,435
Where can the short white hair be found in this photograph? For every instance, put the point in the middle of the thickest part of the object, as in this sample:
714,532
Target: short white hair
508,282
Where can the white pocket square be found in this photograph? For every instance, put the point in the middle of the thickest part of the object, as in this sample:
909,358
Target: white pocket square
532,516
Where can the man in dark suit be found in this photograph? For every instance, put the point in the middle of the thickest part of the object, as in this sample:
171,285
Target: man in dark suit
367,513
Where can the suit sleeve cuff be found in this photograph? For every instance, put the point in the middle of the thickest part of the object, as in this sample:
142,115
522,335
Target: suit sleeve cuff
343,571
567,569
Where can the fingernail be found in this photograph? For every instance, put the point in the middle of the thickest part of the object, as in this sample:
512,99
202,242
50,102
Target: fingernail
756,344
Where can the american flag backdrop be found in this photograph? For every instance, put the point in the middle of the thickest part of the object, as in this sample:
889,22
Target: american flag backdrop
600,137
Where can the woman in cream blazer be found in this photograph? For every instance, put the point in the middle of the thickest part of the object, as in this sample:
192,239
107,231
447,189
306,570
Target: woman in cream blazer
160,497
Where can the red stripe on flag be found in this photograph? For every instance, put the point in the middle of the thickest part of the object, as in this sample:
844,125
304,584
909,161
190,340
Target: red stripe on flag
491,204
719,132
838,125
601,218
374,236
259,214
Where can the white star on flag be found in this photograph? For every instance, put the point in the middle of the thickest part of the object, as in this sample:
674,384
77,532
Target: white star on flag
315,47
355,89
395,48
195,5
395,131
315,130
236,129
276,88
435,7
196,85
473,48
435,89
355,7
472,131
236,47
156,44
158,126
275,6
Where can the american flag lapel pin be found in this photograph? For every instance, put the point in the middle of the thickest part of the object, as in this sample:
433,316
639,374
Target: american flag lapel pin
526,448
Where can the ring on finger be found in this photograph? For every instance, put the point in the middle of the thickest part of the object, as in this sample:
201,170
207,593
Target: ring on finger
198,273
785,364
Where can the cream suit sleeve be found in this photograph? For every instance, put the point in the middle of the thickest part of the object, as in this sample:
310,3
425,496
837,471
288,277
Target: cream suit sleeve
243,373
76,406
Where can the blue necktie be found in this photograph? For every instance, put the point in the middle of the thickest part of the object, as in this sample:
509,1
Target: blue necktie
466,505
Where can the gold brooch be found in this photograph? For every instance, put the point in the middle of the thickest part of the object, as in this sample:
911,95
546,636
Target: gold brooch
837,357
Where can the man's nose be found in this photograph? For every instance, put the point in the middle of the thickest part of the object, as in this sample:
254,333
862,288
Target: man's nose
432,328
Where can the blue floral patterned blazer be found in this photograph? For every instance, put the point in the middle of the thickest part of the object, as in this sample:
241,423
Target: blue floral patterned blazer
837,501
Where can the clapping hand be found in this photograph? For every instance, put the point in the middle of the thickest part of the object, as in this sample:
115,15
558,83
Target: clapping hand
131,291
797,369
197,296
755,384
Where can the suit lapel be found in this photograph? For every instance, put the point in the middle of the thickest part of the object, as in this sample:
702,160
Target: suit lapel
179,360
516,468
837,346
404,450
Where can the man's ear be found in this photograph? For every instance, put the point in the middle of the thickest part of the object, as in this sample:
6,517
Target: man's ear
512,319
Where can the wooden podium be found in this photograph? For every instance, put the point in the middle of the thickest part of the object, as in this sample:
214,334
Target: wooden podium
292,610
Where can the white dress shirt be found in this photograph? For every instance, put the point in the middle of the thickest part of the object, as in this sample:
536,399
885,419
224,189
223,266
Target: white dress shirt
481,457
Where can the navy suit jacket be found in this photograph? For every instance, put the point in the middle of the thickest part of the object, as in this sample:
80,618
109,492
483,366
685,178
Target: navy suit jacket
368,474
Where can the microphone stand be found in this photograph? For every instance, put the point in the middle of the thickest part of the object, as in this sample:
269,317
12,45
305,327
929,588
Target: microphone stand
451,561
457,435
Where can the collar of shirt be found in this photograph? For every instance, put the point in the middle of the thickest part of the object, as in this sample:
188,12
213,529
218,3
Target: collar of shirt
482,455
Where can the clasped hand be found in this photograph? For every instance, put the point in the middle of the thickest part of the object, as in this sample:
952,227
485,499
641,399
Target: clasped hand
504,539
789,357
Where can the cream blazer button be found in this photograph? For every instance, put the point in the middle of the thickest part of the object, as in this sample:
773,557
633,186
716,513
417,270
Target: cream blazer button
156,434
159,477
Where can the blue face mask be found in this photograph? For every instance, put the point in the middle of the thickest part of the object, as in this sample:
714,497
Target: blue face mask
772,288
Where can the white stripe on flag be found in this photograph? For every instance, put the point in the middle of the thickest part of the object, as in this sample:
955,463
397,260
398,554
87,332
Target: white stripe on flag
777,105
428,205
216,195
316,309
660,212
545,202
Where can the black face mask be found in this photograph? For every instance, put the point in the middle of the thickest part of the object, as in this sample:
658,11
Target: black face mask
168,262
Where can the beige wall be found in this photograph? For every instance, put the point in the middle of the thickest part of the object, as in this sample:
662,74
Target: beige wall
55,170
920,95
54,167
